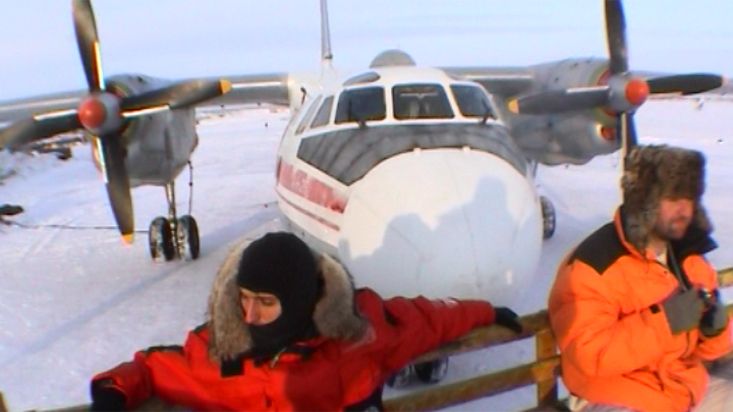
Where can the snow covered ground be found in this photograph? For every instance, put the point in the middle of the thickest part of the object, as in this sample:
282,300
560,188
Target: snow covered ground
75,301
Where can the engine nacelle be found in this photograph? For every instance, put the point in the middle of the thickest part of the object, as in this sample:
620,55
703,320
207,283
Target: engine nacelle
571,137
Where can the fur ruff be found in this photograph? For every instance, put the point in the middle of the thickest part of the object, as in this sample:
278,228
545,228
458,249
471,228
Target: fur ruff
335,314
652,173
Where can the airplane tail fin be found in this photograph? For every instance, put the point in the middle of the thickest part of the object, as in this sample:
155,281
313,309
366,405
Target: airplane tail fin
326,54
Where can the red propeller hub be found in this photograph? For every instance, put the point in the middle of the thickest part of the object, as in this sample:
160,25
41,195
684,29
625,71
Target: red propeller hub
637,90
92,113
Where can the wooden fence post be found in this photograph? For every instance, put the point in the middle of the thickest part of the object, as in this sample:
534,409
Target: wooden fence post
547,386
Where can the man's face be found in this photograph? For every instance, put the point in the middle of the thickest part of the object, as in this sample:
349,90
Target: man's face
259,308
675,215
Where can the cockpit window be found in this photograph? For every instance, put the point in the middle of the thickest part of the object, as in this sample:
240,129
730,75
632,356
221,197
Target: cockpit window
360,105
308,116
324,113
473,101
420,101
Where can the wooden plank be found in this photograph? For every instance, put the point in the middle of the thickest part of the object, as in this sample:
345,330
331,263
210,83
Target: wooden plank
3,406
546,349
725,277
490,336
475,388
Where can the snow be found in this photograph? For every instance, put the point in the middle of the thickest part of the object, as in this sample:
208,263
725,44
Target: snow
75,301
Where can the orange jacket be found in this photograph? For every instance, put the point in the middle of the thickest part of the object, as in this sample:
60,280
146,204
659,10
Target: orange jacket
615,343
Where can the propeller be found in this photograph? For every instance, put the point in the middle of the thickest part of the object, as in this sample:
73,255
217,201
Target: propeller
623,93
103,115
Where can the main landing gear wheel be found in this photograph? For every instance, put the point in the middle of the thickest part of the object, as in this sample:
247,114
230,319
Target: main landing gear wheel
160,239
548,218
188,237
433,371
402,377
425,372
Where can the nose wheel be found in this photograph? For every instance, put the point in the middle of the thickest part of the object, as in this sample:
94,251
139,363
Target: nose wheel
548,218
426,372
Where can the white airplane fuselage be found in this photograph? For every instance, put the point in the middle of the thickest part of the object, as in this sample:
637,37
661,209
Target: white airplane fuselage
410,198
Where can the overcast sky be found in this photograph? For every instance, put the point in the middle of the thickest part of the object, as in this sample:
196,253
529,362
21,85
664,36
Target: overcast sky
186,38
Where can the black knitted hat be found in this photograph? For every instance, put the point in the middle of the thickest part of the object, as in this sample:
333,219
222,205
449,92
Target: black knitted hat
282,264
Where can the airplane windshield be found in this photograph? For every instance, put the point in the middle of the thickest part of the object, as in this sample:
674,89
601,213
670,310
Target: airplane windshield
420,101
323,114
472,101
360,105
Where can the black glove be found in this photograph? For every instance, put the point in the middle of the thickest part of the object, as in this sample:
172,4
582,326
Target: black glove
107,397
507,318
715,318
683,310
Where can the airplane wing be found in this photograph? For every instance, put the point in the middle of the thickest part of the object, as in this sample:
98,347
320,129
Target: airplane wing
12,110
272,88
269,88
500,81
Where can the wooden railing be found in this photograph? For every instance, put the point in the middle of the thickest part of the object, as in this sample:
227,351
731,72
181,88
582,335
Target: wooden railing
543,372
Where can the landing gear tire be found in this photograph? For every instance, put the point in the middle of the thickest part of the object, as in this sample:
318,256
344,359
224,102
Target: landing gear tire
548,218
402,377
188,238
433,371
160,239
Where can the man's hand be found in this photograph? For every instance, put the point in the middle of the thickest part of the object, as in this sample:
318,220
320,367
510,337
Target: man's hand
715,318
507,318
683,310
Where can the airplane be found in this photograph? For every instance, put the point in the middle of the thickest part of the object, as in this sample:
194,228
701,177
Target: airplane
419,180
142,131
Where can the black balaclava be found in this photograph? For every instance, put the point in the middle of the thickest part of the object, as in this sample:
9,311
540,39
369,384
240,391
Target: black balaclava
281,264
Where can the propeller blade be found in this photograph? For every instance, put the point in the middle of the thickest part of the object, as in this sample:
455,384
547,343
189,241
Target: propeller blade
626,132
112,156
39,127
178,95
616,37
685,83
558,101
88,42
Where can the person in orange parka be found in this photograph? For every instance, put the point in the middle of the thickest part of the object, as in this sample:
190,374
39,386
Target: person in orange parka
287,331
635,307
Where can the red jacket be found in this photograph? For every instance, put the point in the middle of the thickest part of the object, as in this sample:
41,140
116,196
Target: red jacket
337,374
615,343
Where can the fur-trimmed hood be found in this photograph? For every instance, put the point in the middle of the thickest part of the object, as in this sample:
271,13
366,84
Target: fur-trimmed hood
335,315
656,171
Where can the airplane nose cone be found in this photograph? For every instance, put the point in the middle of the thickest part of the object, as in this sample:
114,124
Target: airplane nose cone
440,223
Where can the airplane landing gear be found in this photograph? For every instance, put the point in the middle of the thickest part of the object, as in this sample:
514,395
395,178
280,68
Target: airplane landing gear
402,377
433,371
548,218
187,234
160,239
174,237
425,372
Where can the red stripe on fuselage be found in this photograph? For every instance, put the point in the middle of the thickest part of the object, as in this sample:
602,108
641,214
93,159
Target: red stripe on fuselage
310,188
311,215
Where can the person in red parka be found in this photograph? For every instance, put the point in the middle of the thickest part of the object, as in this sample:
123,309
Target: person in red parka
287,331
